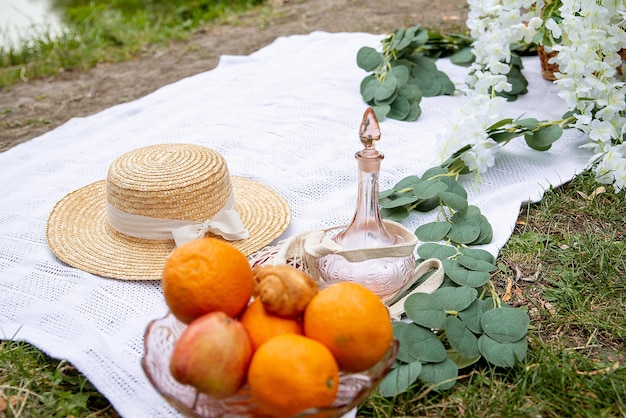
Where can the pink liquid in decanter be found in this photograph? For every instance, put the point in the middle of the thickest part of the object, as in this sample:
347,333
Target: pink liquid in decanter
384,276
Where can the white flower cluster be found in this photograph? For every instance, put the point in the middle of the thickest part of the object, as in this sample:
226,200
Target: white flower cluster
590,35
470,128
589,81
495,25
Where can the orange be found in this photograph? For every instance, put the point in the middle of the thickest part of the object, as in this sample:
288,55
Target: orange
290,373
206,275
262,325
352,322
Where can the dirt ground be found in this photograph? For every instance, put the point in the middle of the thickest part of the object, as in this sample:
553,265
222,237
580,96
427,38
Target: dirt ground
33,107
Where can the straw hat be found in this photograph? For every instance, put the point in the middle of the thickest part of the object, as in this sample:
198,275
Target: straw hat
123,227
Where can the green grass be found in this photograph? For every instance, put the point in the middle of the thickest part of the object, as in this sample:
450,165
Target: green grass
35,385
110,31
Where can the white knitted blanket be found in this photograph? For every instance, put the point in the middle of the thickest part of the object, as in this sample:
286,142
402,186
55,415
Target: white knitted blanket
287,116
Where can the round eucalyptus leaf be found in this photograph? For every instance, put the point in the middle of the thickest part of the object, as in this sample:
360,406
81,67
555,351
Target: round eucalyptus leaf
399,379
418,344
368,87
528,123
447,282
506,95
505,325
428,85
516,61
385,193
453,186
368,58
518,85
463,57
401,73
433,172
429,188
456,298
403,43
529,141
403,332
548,134
408,182
475,264
472,211
440,376
411,32
423,65
398,36
433,231
402,62
542,139
502,354
464,277
400,108
464,232
469,214
389,100
386,89
434,250
425,310
503,136
410,91
420,37
395,202
414,113
422,79
446,86
454,201
486,232
461,338
472,315
427,205
381,111
478,254
461,361
395,214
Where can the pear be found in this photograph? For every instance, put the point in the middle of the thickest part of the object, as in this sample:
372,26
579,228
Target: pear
212,354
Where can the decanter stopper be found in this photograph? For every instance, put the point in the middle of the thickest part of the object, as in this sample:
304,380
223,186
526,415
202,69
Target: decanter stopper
384,276
367,229
369,132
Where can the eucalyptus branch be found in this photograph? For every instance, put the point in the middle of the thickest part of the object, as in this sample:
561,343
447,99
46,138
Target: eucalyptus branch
539,135
405,71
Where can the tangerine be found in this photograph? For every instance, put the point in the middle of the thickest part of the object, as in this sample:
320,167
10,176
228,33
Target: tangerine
263,325
291,373
352,322
206,275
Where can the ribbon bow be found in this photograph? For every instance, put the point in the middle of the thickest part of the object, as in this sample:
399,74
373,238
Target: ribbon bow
225,223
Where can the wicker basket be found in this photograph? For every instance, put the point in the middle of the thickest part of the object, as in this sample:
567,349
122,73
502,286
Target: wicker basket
622,53
548,70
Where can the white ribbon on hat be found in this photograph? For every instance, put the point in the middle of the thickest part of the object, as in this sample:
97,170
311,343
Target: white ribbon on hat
225,223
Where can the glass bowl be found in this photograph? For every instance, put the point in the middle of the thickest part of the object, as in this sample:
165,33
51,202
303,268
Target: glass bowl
159,340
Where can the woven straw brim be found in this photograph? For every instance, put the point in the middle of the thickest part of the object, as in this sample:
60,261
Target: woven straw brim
78,234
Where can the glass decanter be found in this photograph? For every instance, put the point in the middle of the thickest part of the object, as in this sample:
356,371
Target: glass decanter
384,276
